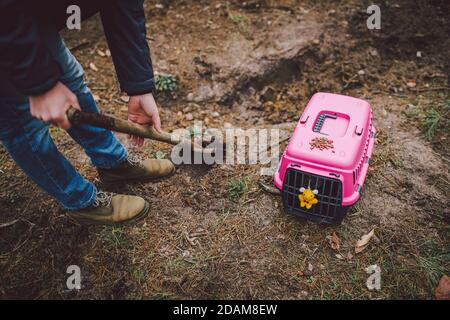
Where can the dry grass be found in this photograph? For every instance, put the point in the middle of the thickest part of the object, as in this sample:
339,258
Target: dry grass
213,233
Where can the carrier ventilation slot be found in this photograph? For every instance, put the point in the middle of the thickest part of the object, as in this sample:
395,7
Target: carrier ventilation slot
321,120
357,171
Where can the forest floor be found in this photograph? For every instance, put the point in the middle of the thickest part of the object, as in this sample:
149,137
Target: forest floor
213,232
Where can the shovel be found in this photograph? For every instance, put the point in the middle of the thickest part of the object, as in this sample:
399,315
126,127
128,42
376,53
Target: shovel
76,116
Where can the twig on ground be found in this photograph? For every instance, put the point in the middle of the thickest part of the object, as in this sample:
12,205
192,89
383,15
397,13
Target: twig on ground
268,189
79,46
7,224
430,89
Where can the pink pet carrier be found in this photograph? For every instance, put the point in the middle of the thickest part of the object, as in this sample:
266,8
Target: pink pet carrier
322,170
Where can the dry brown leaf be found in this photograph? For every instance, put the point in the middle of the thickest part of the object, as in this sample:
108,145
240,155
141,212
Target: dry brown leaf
364,241
349,256
335,242
93,67
101,53
411,84
443,289
189,239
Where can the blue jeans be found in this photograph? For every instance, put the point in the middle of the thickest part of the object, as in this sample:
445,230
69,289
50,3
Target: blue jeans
28,141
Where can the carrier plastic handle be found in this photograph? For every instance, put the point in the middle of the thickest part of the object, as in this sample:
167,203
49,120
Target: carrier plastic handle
321,120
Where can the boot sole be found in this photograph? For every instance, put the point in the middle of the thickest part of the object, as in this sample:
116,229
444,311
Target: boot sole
141,215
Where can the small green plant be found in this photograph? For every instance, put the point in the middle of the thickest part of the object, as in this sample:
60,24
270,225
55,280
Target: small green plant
114,236
194,131
431,120
140,274
177,264
159,154
236,188
413,112
238,19
431,123
166,82
434,261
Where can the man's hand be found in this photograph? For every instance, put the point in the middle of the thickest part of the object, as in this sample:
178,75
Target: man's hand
52,105
142,109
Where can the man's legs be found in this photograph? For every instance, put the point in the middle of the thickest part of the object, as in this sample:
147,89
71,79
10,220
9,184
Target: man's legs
103,148
28,141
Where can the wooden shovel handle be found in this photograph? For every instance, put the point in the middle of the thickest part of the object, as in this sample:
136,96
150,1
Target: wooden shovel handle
76,116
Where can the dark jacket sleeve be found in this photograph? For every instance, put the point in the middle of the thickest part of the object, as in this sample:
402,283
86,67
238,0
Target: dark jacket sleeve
23,55
124,25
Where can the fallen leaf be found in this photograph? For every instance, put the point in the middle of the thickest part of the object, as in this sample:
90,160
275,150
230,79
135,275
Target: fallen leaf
93,67
187,256
443,289
340,257
101,53
411,84
108,53
192,241
335,242
125,98
364,241
303,294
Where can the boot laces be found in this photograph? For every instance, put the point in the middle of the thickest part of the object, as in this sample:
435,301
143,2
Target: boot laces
103,199
134,160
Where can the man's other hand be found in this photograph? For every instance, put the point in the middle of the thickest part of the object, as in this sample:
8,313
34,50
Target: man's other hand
52,105
142,109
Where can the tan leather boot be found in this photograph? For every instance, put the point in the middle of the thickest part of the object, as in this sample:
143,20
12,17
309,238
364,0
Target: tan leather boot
113,209
134,169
